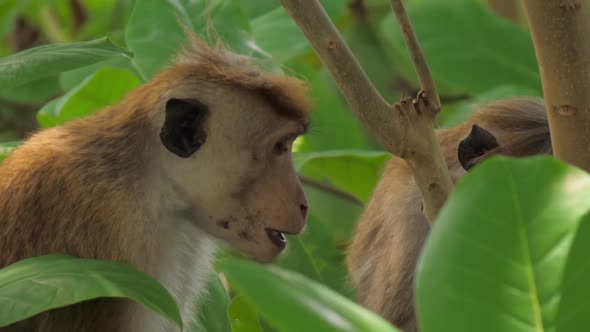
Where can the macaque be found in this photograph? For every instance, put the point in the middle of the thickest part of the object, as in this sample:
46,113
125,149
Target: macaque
392,229
198,156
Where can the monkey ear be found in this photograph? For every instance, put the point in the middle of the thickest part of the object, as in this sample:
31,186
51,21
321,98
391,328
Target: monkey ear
184,128
476,144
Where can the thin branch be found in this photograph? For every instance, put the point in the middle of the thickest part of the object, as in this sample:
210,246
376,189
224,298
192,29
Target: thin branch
560,30
358,90
406,129
416,53
331,190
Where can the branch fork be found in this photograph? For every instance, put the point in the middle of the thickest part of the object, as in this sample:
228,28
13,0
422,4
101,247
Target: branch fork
405,129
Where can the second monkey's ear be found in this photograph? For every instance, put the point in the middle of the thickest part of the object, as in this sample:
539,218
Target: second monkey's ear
184,128
476,144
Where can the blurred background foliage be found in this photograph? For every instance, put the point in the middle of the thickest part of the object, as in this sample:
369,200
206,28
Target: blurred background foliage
477,53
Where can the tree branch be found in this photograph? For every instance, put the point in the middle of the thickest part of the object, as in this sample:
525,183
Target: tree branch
560,32
358,90
416,54
406,129
331,190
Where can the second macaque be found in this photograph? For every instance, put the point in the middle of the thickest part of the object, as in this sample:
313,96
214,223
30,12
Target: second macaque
392,230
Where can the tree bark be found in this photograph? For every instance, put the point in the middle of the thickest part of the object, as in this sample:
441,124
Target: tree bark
406,129
560,30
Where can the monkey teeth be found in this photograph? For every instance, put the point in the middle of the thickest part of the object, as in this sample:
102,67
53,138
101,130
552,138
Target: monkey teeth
277,238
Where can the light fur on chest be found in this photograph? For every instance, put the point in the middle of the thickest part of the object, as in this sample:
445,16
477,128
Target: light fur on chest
185,260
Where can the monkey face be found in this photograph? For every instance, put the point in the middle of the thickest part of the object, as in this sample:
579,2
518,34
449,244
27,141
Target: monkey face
232,169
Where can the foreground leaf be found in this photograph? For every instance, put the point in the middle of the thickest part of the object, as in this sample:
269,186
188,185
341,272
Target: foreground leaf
212,309
496,255
49,60
293,303
575,299
37,284
243,317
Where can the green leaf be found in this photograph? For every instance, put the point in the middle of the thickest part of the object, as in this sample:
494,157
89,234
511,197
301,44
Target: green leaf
223,19
6,148
277,34
291,302
8,10
154,45
69,79
33,91
315,255
37,284
353,171
575,297
477,52
49,60
496,255
212,309
47,115
243,316
105,87
333,126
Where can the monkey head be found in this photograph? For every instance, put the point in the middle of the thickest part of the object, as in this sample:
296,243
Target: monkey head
226,153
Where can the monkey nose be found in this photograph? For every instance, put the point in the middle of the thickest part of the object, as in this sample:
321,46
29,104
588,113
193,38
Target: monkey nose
304,208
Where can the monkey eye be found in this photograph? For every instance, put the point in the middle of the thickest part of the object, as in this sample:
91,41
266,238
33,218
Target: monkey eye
282,146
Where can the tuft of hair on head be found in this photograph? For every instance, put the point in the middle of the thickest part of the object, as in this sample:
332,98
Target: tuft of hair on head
287,95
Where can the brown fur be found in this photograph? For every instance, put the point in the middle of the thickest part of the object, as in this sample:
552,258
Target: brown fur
392,230
83,188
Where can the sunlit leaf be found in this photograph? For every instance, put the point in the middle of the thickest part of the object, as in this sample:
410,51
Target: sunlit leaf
497,253
243,316
105,87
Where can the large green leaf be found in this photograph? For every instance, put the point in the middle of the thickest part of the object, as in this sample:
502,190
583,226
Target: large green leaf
69,79
575,298
37,284
496,255
291,302
32,91
243,316
212,309
49,60
353,171
154,33
105,87
468,47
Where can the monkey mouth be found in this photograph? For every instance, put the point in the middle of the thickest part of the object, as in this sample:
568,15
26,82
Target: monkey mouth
276,237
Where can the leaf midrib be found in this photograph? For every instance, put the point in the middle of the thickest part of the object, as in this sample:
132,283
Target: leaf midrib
538,317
